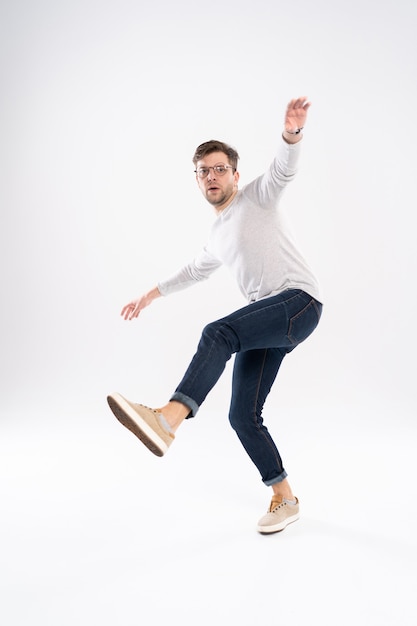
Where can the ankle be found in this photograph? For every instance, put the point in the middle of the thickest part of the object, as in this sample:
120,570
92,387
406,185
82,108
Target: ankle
174,413
283,490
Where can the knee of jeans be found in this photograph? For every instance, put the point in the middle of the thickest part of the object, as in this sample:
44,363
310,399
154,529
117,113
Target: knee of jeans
220,334
242,422
210,330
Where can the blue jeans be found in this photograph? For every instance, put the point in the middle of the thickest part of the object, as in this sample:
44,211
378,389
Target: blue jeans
260,334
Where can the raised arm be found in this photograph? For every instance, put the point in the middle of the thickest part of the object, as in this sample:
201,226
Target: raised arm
266,189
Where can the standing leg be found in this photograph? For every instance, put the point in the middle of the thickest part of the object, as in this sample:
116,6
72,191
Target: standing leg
254,373
253,376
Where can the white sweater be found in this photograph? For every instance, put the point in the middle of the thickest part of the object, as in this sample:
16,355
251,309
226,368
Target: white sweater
251,237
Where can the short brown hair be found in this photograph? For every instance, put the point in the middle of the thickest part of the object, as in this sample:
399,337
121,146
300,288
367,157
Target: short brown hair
216,146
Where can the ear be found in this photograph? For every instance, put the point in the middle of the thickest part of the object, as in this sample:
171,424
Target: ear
236,178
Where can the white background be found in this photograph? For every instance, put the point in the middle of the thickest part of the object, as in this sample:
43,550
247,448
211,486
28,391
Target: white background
102,106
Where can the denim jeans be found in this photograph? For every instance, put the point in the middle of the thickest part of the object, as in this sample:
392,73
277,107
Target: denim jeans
260,334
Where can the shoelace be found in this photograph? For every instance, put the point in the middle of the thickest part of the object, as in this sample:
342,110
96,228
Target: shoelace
277,506
148,408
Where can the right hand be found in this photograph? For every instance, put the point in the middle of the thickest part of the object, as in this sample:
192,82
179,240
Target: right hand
131,311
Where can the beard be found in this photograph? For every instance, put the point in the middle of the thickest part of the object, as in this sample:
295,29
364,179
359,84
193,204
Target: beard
219,196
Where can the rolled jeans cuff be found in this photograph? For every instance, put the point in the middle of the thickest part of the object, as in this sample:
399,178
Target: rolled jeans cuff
192,405
278,479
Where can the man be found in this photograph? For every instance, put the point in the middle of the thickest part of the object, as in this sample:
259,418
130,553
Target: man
249,236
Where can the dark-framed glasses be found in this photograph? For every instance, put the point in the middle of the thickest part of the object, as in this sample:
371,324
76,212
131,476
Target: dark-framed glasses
220,170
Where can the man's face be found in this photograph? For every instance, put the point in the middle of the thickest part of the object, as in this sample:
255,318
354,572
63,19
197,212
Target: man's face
218,189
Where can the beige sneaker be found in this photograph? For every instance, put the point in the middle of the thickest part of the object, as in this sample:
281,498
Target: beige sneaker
280,514
142,422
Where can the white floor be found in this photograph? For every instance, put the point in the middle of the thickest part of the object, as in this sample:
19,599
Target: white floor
96,530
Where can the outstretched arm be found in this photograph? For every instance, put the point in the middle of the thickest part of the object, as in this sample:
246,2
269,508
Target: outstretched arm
295,119
132,310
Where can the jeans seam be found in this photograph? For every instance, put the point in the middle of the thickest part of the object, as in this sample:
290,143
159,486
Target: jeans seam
213,343
267,441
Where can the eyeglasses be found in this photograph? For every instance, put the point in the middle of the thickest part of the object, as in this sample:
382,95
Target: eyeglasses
220,170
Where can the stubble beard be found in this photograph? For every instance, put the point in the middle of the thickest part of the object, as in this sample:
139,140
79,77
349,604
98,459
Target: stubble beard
219,200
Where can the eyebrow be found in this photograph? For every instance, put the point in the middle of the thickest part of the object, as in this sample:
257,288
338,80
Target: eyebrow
219,163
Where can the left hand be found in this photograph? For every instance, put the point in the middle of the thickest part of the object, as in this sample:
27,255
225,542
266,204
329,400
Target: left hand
296,114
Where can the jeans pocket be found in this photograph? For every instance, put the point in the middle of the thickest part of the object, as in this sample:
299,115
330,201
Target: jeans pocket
304,322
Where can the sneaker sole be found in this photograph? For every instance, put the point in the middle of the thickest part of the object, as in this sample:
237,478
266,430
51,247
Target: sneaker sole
136,424
276,528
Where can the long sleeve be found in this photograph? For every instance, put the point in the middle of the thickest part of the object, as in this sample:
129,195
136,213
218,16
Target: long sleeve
199,269
266,190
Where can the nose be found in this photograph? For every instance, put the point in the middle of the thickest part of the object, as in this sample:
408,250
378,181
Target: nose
211,174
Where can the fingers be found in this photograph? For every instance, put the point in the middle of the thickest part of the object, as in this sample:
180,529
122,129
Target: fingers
299,103
131,311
